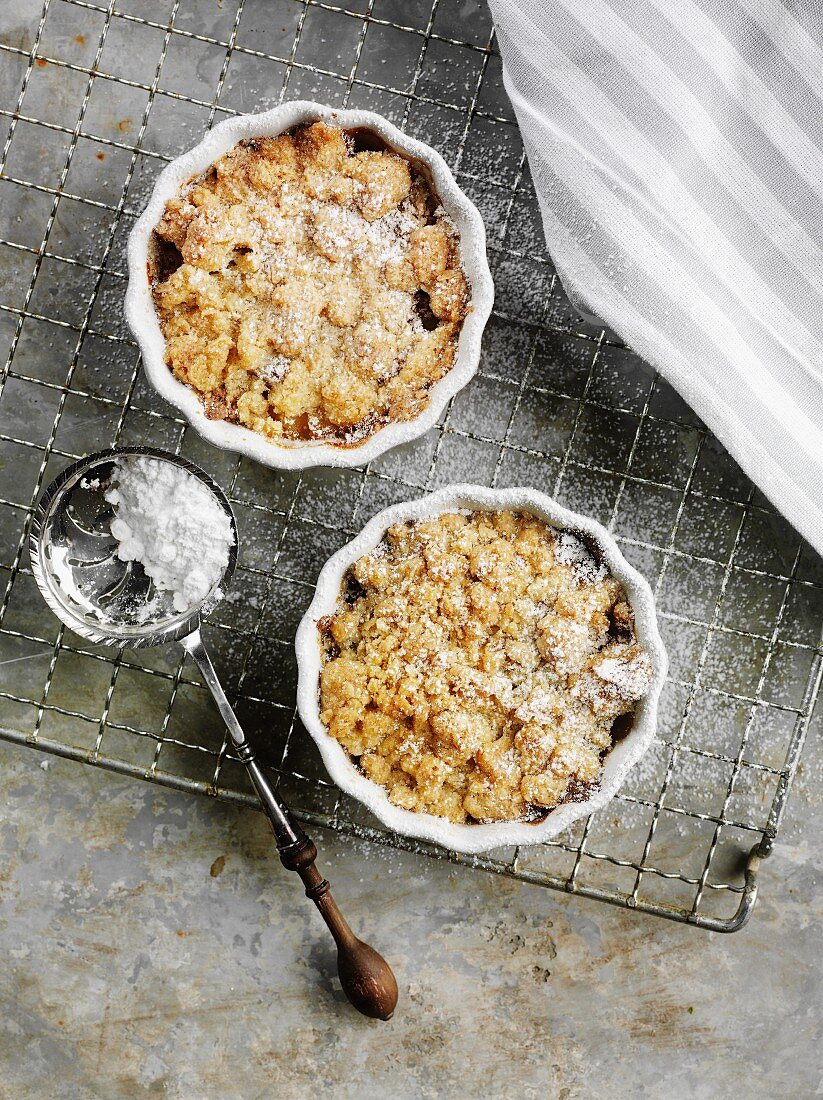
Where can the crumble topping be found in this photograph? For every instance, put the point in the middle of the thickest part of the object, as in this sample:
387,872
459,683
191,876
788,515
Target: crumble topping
479,666
308,288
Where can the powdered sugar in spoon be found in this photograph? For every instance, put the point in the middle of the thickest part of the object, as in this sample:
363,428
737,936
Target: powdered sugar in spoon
97,585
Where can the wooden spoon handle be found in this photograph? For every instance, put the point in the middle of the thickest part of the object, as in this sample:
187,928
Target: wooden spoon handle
366,977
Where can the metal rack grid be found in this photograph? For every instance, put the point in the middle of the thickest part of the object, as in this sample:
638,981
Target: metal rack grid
96,99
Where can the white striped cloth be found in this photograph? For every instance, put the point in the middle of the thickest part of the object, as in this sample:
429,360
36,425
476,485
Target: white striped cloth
677,150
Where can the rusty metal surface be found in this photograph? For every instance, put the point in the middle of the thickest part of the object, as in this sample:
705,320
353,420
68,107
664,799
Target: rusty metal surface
152,946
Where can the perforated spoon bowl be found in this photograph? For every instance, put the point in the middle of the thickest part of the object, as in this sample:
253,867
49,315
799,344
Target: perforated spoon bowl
113,602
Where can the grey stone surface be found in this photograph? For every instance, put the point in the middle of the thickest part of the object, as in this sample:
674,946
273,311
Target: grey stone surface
152,945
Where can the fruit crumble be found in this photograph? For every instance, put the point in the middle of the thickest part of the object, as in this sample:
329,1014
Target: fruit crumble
309,286
479,666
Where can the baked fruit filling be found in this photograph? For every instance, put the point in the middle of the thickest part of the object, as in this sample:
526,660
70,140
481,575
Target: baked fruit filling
309,286
480,666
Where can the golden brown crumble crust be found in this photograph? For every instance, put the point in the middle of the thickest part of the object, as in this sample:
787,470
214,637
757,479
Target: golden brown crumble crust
479,666
308,288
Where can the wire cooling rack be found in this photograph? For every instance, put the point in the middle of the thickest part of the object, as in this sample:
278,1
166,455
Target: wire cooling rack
96,98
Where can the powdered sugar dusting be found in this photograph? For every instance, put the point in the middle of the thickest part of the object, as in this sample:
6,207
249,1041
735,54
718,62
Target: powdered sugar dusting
276,368
630,676
572,551
338,230
538,707
170,522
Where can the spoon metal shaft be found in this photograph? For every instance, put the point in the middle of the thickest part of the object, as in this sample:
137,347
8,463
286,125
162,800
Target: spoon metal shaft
365,976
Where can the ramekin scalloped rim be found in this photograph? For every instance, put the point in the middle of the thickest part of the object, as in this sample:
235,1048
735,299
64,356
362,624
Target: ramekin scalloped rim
472,839
142,318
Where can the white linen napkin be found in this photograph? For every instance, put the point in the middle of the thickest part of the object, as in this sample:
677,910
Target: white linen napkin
677,151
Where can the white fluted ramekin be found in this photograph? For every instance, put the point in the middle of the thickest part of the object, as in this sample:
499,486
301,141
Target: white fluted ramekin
471,839
143,322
